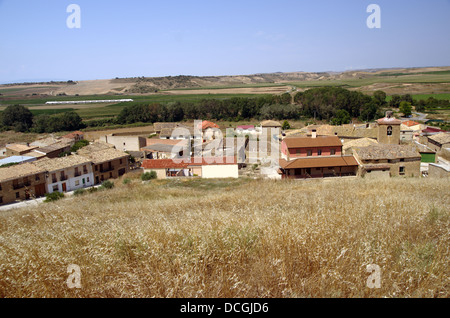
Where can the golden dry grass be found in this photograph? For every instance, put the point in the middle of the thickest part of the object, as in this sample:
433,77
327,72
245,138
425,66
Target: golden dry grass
240,238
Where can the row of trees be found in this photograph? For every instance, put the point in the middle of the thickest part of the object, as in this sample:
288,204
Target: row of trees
336,105
21,119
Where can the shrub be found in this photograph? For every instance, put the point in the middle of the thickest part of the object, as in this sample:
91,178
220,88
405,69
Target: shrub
107,184
126,181
92,190
79,192
54,196
146,176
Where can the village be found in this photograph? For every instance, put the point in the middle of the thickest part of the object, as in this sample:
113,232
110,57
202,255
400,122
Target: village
388,147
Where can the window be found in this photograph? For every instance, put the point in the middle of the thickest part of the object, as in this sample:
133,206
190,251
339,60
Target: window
297,151
77,183
110,175
85,169
120,161
389,131
1,199
87,179
319,152
55,188
96,168
332,152
17,195
401,170
37,178
309,153
402,160
0,187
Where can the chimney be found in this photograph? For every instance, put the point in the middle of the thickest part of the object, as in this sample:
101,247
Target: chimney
314,133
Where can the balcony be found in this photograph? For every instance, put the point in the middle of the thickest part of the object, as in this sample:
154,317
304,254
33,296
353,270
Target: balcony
108,169
63,178
77,174
18,186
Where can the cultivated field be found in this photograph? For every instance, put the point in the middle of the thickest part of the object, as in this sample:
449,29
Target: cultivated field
234,238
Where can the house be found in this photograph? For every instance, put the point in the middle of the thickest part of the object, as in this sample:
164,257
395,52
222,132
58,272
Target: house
159,126
297,147
18,149
206,167
348,146
75,136
438,170
95,146
439,141
344,132
318,167
21,182
209,130
16,160
124,143
315,157
179,133
270,124
406,133
397,160
107,164
66,173
164,151
54,150
388,129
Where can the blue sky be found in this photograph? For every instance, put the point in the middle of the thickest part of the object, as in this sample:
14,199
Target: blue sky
216,37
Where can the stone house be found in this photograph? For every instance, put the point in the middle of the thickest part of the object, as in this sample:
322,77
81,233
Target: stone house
21,182
398,160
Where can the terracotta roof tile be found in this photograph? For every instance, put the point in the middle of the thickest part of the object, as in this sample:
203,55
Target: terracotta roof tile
319,162
307,142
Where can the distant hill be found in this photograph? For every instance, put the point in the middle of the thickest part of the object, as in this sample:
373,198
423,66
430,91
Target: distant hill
390,80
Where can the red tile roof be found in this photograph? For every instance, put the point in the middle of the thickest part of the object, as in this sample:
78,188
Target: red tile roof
207,124
307,142
410,123
163,164
319,162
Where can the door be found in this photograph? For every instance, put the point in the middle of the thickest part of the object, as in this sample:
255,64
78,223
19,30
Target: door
39,190
64,187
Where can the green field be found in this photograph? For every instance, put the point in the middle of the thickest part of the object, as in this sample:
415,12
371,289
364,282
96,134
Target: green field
401,78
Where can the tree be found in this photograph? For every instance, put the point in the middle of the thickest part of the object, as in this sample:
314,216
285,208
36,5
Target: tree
395,101
286,125
342,117
405,108
380,97
17,117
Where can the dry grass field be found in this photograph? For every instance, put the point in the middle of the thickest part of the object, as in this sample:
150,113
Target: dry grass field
233,238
